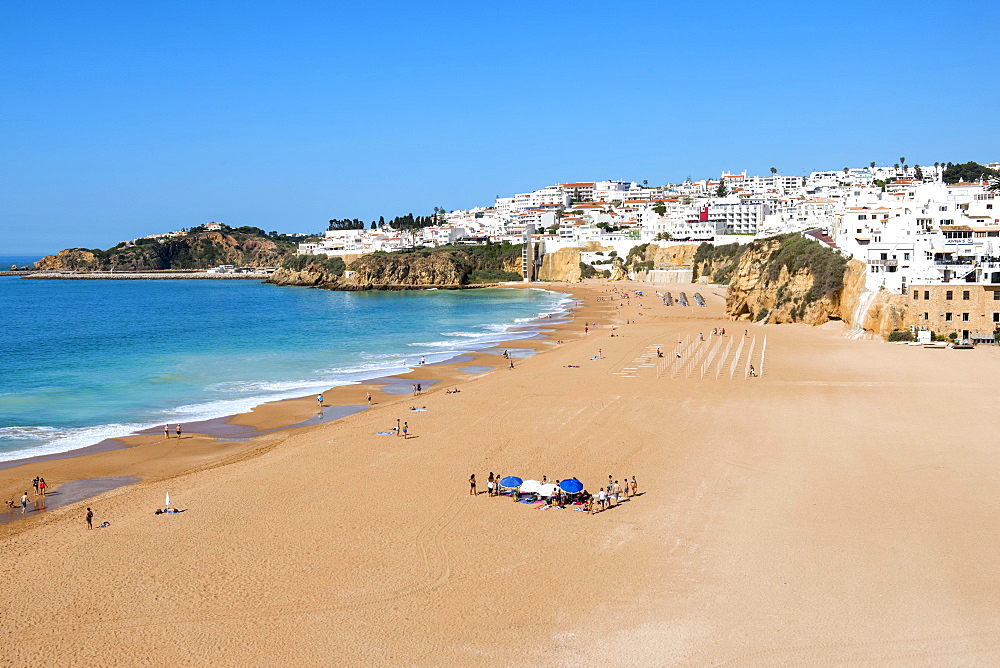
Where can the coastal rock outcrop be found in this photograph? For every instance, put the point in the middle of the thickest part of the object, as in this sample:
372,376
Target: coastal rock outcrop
404,271
199,250
791,278
561,265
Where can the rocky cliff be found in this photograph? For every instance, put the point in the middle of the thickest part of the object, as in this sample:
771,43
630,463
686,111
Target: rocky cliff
790,278
562,265
437,268
201,250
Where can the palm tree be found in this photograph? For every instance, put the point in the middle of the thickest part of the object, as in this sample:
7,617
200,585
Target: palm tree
872,164
903,160
896,166
846,170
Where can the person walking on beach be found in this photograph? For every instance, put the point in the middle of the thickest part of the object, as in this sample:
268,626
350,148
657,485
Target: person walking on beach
489,485
24,503
34,485
41,486
511,364
398,428
90,518
634,486
601,498
319,400
166,431
406,430
178,430
369,399
753,372
472,485
419,388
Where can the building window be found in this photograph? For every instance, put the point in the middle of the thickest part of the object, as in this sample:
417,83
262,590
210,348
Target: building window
915,293
965,317
906,256
948,294
926,315
947,317
965,294
996,317
996,295
927,294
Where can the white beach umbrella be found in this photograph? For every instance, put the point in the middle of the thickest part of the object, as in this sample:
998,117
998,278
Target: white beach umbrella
529,486
547,489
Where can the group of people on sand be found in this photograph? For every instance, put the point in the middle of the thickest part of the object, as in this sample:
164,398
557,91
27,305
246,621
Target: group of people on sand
39,486
177,429
613,494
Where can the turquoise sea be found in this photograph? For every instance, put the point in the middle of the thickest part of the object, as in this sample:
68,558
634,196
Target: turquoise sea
82,361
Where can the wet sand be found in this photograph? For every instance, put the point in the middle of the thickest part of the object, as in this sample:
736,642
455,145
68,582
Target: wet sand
839,509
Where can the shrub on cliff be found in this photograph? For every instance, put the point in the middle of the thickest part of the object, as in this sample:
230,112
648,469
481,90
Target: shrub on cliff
717,261
905,335
492,276
796,253
329,264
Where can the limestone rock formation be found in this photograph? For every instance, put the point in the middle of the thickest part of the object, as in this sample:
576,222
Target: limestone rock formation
202,250
562,265
618,272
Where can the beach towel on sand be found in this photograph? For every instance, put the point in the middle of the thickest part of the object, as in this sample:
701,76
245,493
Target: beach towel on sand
384,433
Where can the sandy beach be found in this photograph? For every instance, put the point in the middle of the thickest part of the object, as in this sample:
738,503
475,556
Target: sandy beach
839,509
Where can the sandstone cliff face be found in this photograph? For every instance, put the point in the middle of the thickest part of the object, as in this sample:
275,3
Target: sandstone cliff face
762,286
872,314
562,265
396,271
195,251
680,255
753,296
69,259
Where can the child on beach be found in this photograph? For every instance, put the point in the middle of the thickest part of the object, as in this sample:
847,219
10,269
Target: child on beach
472,483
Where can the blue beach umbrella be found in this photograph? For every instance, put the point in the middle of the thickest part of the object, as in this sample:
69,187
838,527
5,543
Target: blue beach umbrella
511,481
571,486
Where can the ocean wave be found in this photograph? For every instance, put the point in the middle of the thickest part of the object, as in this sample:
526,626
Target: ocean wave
58,439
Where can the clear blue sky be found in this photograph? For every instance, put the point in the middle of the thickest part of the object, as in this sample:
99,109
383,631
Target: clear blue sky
124,118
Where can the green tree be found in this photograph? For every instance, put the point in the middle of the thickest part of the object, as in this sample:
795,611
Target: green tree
645,183
721,191
872,164
774,170
918,173
660,208
969,171
846,170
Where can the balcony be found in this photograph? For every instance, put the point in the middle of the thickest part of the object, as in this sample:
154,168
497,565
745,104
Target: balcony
884,263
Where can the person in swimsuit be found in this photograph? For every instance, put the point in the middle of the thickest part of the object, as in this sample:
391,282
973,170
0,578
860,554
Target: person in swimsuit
406,430
178,430
41,486
90,518
489,485
634,486
472,484
24,503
